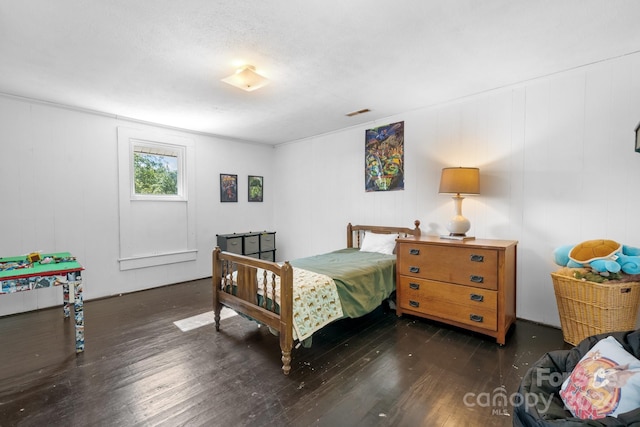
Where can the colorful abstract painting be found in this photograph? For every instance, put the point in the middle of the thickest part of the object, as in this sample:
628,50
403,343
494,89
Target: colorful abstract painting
384,158
228,187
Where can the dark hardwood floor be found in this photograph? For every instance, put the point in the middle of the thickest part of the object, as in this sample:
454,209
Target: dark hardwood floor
139,369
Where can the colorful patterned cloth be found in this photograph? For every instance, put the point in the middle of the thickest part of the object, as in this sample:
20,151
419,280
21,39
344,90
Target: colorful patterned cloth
315,300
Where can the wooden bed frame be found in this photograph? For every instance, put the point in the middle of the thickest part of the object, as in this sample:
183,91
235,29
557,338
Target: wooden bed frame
243,297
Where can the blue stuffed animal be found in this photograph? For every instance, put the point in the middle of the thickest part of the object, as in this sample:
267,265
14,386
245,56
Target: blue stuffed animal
627,260
562,257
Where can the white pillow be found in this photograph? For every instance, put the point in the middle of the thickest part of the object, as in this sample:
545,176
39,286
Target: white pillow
375,242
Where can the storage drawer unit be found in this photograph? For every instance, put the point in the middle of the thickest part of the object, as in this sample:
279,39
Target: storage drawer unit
469,284
254,244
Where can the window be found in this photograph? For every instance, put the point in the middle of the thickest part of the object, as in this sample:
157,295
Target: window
156,174
157,171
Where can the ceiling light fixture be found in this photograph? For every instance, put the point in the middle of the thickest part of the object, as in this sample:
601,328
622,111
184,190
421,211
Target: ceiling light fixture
246,78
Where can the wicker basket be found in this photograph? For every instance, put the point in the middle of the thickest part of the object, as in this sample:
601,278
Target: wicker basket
589,308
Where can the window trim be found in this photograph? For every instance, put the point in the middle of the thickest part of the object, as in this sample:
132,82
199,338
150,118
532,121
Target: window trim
136,254
178,150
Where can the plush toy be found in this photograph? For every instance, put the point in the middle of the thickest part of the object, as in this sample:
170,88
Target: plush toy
629,264
630,250
602,256
561,255
604,265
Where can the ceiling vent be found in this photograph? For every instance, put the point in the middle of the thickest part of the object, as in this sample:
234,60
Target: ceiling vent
355,113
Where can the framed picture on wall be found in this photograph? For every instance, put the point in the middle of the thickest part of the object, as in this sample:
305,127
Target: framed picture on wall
384,158
228,187
638,138
255,188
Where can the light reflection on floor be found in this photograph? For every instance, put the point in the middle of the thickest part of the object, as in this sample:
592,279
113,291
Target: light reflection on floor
203,319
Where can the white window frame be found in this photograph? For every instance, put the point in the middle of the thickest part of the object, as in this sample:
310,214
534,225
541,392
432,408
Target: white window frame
160,148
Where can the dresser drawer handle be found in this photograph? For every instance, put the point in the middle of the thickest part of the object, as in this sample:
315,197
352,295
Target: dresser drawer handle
414,304
414,269
414,286
414,251
476,279
476,318
476,297
476,258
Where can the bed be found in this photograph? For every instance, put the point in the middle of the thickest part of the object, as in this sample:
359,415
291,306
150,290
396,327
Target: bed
296,298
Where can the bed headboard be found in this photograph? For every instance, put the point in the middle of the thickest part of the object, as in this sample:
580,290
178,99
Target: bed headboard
356,232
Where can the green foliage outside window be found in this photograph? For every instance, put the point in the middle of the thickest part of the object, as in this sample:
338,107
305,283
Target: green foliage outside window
155,174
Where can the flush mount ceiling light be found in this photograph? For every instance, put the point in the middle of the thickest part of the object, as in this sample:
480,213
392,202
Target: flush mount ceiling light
246,78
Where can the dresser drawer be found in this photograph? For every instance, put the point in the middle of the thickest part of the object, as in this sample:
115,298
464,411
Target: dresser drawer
464,304
467,266
268,256
267,241
251,244
233,244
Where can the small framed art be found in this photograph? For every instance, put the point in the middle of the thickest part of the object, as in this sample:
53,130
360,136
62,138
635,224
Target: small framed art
638,138
255,188
228,187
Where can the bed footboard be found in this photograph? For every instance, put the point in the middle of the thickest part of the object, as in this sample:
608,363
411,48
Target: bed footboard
236,285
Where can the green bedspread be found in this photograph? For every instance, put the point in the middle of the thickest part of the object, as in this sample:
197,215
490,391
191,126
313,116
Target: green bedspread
363,279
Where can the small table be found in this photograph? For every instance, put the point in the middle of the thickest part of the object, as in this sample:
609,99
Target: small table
18,274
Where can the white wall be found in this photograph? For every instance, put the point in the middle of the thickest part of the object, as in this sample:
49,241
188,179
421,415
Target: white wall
556,161
59,174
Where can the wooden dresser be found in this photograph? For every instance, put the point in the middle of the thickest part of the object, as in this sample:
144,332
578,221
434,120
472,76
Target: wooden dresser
470,284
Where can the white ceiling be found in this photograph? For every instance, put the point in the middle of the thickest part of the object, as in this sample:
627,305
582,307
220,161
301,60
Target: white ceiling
161,61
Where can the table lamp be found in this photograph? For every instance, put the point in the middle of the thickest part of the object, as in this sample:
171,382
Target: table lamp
458,181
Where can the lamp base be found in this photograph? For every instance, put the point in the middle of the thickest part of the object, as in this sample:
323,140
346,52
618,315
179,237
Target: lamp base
458,225
456,237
